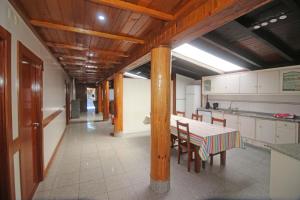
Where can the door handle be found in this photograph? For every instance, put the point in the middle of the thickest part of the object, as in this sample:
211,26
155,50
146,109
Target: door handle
35,125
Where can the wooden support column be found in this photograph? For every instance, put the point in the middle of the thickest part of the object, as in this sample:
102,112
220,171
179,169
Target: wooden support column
105,87
118,100
160,119
100,99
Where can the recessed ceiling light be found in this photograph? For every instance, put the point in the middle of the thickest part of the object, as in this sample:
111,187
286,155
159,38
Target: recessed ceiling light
101,17
138,72
24,62
264,24
256,26
283,17
273,20
91,54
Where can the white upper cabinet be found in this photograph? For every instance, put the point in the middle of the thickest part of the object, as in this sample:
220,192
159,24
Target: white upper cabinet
248,83
268,82
231,83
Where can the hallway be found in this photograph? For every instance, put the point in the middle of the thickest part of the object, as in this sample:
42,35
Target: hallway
92,165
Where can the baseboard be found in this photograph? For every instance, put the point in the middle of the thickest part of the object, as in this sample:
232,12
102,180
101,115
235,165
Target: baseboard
54,154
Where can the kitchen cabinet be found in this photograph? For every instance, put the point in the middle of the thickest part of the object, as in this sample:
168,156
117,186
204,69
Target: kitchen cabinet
206,116
230,83
247,127
286,132
265,130
248,83
268,82
208,83
231,121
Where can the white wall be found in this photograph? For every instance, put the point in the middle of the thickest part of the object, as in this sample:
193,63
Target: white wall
181,83
53,85
136,104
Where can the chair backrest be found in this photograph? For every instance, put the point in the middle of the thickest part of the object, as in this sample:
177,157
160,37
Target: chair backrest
183,131
223,121
179,113
197,117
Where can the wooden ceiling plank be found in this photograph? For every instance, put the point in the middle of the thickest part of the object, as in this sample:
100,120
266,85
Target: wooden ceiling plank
136,8
61,27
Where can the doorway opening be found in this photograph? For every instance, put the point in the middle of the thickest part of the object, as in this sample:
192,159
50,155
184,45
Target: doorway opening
91,100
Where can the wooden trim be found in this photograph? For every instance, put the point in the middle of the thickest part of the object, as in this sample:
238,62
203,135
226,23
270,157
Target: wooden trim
7,189
16,145
80,48
135,8
62,27
51,117
46,170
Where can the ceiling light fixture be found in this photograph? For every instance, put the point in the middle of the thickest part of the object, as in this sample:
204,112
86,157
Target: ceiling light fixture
101,17
91,54
283,17
134,75
273,20
205,59
256,27
264,23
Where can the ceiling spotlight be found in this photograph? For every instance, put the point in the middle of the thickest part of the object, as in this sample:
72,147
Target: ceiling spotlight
283,17
91,54
264,24
256,27
101,17
273,20
61,58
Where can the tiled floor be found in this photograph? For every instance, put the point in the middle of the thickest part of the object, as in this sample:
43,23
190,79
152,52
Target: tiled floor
89,116
92,165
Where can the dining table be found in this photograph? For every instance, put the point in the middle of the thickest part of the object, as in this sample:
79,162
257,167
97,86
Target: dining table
209,139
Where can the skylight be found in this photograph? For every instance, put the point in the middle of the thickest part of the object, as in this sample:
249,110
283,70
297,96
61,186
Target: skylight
210,61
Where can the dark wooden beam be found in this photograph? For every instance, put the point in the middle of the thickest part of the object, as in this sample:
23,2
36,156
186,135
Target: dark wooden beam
200,20
265,38
239,53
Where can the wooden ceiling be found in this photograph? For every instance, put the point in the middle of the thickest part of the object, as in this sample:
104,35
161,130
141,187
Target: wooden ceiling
90,49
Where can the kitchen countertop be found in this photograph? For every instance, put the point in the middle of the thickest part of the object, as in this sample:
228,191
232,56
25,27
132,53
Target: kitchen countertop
291,150
251,114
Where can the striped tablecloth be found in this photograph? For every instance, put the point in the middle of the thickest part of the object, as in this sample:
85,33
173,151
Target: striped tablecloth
210,138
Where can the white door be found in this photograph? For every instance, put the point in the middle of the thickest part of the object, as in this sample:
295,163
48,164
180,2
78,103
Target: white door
268,82
247,127
231,121
248,83
286,132
265,130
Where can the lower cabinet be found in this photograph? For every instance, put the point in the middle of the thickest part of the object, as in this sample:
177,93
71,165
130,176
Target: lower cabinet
286,133
247,127
265,130
232,121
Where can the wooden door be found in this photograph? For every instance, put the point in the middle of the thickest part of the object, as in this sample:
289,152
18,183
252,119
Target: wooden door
30,129
6,166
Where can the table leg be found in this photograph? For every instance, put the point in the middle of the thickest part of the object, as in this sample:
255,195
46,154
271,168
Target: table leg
197,160
223,158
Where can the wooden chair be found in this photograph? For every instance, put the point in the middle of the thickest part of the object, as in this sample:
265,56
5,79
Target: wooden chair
184,144
223,153
197,117
179,113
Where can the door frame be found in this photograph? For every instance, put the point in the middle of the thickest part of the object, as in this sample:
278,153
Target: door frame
6,144
67,102
23,51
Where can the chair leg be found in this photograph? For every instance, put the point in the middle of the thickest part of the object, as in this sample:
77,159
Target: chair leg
178,154
197,161
203,164
223,158
189,159
211,159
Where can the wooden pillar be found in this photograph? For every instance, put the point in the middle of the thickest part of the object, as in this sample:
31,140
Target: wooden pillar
105,87
118,100
100,100
160,119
